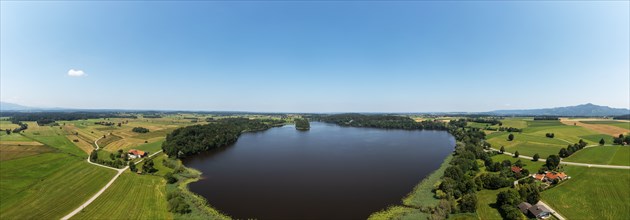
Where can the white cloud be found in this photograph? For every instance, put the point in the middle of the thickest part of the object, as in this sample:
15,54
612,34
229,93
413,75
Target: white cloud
76,73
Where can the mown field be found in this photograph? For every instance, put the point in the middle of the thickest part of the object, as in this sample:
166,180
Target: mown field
47,186
613,155
132,196
532,139
592,193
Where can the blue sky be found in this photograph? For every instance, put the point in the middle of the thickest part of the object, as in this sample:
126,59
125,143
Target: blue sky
315,56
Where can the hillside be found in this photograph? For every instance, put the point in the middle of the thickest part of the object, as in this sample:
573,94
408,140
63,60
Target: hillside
589,110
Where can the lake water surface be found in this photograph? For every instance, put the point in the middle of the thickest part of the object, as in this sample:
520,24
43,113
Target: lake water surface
329,172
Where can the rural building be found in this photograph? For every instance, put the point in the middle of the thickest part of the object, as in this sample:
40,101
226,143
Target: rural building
550,176
538,211
133,154
516,169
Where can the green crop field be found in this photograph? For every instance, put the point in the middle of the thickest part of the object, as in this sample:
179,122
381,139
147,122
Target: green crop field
613,155
593,192
515,122
47,186
132,196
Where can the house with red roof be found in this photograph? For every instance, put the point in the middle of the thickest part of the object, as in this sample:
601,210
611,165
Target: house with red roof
133,154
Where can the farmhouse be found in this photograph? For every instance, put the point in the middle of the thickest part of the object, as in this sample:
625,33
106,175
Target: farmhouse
133,154
550,176
537,210
516,169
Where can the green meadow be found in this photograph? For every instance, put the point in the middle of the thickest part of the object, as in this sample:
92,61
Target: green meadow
47,186
593,192
132,196
612,155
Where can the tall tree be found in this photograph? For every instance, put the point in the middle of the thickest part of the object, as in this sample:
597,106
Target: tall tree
536,157
552,162
602,142
511,137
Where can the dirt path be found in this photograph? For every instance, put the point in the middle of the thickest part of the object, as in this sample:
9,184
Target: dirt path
119,171
601,128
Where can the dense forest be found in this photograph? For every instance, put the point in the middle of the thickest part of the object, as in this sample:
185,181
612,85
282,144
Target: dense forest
219,133
302,124
379,121
45,118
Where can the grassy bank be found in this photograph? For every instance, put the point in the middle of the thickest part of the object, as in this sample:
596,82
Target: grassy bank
419,199
199,208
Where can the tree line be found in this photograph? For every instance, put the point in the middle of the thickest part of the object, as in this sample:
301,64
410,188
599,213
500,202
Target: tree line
379,121
191,140
50,117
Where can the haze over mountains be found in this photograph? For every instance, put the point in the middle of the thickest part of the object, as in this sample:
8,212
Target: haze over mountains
578,110
590,110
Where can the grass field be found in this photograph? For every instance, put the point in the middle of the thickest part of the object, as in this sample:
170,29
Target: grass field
591,193
47,186
132,196
532,139
16,149
485,204
53,137
613,155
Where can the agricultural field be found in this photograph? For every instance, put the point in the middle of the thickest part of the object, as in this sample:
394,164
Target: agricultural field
593,192
132,196
16,149
532,139
616,123
47,186
612,155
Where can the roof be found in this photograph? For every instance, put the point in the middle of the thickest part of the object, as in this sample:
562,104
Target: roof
524,206
516,169
538,210
136,152
538,176
553,175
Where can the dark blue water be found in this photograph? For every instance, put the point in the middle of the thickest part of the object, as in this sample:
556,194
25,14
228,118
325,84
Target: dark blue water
329,172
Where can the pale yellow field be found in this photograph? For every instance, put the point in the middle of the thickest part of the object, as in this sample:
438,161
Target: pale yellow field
600,128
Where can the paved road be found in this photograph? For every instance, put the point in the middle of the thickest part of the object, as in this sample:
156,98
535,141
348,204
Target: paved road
119,171
571,163
560,217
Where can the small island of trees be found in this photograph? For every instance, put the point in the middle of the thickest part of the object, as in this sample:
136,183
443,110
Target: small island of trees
140,130
302,124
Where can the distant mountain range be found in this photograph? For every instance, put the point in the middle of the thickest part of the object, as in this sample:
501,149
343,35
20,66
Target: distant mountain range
5,106
578,110
588,110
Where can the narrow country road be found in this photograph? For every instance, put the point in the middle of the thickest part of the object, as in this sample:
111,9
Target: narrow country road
119,171
571,163
553,212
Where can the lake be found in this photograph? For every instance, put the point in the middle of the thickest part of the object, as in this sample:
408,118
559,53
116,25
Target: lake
328,172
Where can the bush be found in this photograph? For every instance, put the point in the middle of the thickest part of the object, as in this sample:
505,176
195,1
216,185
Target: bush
170,179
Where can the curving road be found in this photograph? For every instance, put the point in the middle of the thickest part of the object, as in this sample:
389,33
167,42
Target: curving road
119,171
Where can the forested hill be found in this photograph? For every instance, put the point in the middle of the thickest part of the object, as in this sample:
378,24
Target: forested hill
379,121
198,138
589,110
